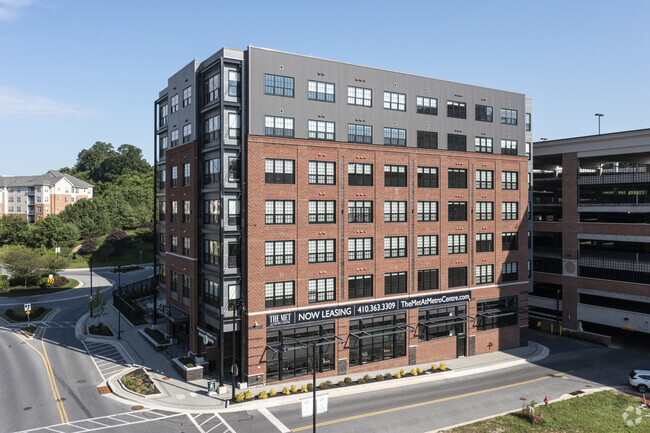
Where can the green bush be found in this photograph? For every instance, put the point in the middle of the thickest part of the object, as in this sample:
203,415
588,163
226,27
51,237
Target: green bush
286,391
262,395
4,282
348,380
379,378
239,397
388,376
341,384
304,388
248,395
366,377
293,389
273,392
361,380
325,385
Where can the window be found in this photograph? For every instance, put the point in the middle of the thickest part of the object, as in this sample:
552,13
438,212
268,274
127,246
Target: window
484,113
161,242
394,246
426,105
212,173
457,277
359,174
211,293
278,253
211,252
427,279
528,151
508,117
427,177
388,341
509,210
509,241
359,96
394,282
321,173
360,249
509,272
321,290
484,274
359,286
321,250
279,294
456,244
187,133
509,147
186,286
187,96
483,145
162,145
162,175
174,137
394,101
234,171
174,246
456,109
186,211
276,126
234,125
457,211
427,140
395,137
509,180
211,88
163,115
186,174
173,282
321,130
359,133
457,142
394,175
457,178
211,211
234,79
484,211
174,215
496,313
359,211
174,103
484,242
186,246
528,122
320,91
279,212
428,245
394,211
234,212
279,171
484,179
278,85
427,211
441,322
212,127
322,211
234,255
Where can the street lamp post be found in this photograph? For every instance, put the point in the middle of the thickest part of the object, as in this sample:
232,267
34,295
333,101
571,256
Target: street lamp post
90,262
119,298
599,115
241,307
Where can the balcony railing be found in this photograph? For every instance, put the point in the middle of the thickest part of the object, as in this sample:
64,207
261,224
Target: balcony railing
622,268
618,178
547,252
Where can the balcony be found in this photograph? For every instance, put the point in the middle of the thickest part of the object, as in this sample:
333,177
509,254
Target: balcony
548,252
614,178
618,266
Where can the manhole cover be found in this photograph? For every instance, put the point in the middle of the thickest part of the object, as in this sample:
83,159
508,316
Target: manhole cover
578,392
81,381
165,378
587,386
60,399
27,408
522,399
137,407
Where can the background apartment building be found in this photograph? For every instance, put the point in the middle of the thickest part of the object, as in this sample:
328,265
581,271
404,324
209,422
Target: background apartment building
35,197
377,214
592,232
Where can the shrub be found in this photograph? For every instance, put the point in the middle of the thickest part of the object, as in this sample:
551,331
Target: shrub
361,380
433,367
310,387
379,378
4,282
347,380
304,388
293,389
419,370
398,375
366,377
273,392
402,372
248,395
443,367
325,385
341,383
286,391
388,376
262,395
414,372
239,397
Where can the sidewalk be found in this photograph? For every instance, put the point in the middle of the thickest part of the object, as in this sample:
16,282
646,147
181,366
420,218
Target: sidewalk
178,395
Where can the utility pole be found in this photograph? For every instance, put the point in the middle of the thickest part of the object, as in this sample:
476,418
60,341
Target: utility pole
599,115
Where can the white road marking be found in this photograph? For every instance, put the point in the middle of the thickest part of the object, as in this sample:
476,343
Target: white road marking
93,359
276,422
208,419
198,427
180,396
225,423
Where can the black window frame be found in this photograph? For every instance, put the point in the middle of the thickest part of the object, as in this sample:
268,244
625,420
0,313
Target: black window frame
485,181
427,177
396,248
362,253
394,137
277,85
510,271
484,113
509,241
360,211
425,214
428,279
317,95
510,180
457,276
507,117
395,211
279,255
278,173
321,250
483,145
484,211
422,108
283,131
457,142
324,211
457,211
497,313
276,218
287,297
509,210
427,139
509,147
389,104
484,242
484,274
359,179
318,173
362,287
457,178
328,290
395,175
456,109
395,282
355,98
359,133
317,134
427,245
457,243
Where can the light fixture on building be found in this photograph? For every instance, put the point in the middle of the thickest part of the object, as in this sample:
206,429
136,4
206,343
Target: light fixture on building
599,115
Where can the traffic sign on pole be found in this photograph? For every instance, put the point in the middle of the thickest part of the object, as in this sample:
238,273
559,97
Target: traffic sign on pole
28,307
91,297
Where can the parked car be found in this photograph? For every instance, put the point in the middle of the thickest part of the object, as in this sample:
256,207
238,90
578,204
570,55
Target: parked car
640,379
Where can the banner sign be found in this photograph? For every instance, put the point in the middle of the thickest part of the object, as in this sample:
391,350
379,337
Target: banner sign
304,316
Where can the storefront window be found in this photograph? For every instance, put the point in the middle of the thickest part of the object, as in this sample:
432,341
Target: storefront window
374,339
441,322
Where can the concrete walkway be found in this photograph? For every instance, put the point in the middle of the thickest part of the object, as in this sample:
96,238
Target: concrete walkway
178,395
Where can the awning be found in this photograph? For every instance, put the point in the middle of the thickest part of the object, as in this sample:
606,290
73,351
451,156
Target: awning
496,313
382,330
448,320
174,314
306,342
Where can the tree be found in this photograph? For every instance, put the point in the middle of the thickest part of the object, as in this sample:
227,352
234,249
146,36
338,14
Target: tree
87,246
52,231
22,262
98,305
89,160
53,263
14,230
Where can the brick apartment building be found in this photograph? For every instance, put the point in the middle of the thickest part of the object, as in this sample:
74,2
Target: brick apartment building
591,214
35,197
378,214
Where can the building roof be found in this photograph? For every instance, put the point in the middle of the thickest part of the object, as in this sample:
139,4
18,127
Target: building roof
50,178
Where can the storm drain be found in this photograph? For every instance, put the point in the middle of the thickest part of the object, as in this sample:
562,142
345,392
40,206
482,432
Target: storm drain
103,390
578,392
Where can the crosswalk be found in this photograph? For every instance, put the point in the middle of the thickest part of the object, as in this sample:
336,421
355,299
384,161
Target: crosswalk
48,325
106,357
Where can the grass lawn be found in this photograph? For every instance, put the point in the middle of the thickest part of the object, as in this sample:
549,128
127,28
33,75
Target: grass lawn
29,330
594,413
130,256
21,291
39,317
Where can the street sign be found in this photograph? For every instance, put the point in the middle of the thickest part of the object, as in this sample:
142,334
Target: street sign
212,387
91,297
308,405
50,281
234,370
28,307
57,250
28,312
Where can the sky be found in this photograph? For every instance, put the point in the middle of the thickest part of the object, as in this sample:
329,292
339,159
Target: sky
73,72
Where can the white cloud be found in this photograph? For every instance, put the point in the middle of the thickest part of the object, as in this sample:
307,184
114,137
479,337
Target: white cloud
9,9
16,105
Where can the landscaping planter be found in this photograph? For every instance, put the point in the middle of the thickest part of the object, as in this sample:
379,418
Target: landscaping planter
188,373
156,345
138,382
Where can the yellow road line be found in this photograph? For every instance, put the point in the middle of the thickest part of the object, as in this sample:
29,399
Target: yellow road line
57,399
424,403
49,365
